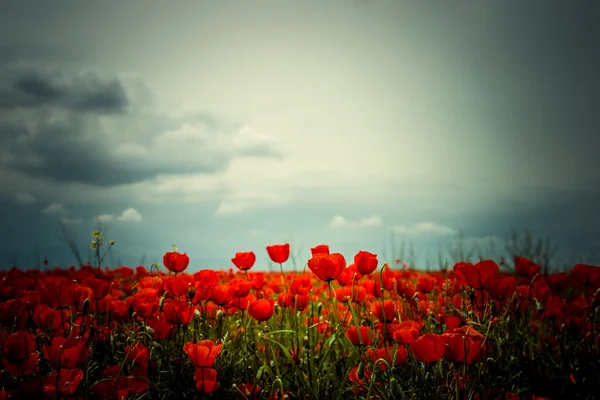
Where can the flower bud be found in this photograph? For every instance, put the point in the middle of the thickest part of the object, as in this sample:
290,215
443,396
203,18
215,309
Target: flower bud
361,371
86,305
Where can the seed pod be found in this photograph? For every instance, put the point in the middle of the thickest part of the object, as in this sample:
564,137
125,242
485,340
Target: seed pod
86,305
361,371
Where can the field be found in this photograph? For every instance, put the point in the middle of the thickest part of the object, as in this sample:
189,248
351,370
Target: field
342,328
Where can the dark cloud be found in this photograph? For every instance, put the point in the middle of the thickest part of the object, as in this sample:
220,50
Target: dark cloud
32,89
74,127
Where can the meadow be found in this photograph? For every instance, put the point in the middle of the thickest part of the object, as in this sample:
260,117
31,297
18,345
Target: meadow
358,328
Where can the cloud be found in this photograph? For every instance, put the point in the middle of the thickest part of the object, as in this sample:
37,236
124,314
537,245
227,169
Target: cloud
24,198
340,221
238,202
425,228
85,92
71,126
55,209
128,215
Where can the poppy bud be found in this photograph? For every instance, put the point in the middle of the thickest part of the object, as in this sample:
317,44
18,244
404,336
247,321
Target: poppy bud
361,371
319,308
86,306
149,330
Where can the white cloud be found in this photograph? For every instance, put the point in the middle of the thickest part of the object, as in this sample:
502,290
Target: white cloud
238,202
55,209
24,199
425,228
128,215
104,218
340,221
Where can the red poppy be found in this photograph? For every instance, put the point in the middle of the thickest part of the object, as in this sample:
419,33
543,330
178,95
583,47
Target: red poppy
426,283
176,262
138,354
100,287
19,356
301,285
365,262
46,318
476,275
261,310
501,288
428,348
464,345
176,285
178,312
389,310
353,336
221,295
66,353
320,249
66,382
585,275
279,253
202,354
206,380
525,267
145,302
387,353
327,267
57,291
244,260
407,331
161,328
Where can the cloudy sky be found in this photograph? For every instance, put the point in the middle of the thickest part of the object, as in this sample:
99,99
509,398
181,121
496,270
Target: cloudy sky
229,126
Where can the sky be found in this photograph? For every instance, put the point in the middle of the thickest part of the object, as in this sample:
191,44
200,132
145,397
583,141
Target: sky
229,126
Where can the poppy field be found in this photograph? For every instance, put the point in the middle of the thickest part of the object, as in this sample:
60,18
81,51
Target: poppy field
358,328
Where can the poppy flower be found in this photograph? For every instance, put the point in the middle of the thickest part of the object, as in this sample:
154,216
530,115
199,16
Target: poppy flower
585,275
138,354
261,310
176,262
387,353
221,295
327,267
428,348
66,382
476,275
202,354
426,283
206,380
525,267
176,285
178,312
464,345
66,353
407,331
244,260
57,291
501,288
365,262
320,249
19,356
279,253
353,335
388,313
